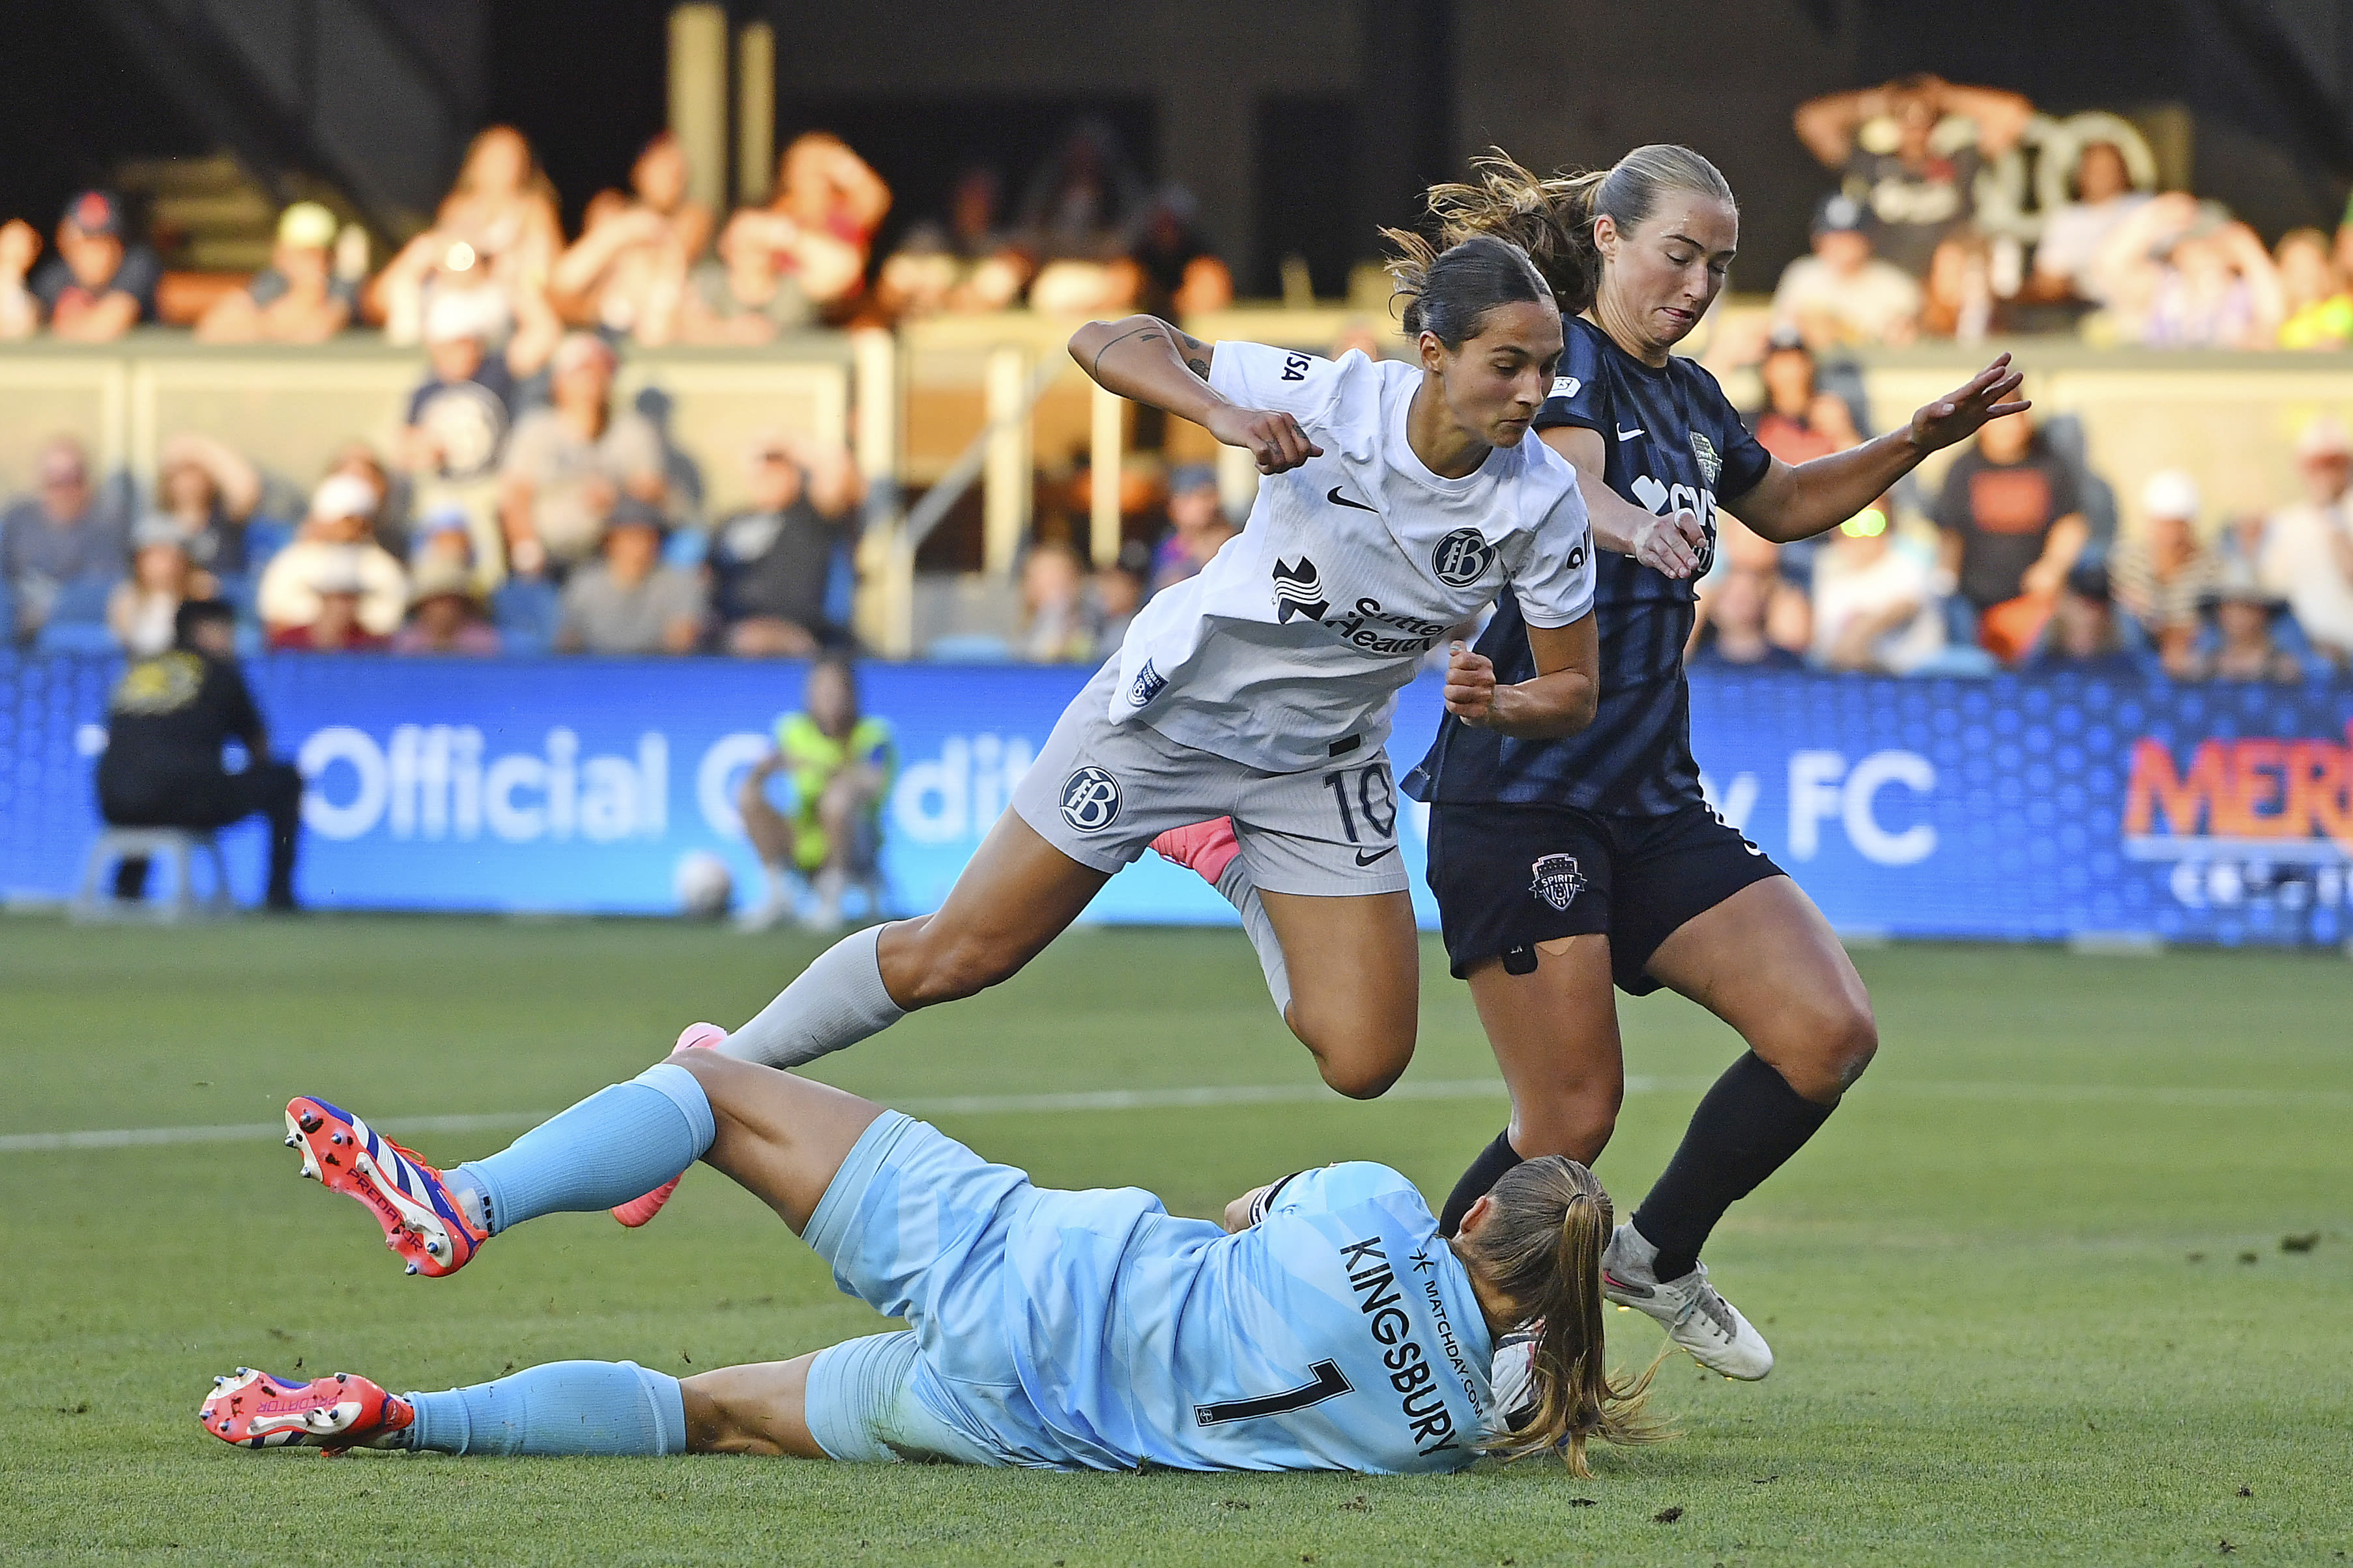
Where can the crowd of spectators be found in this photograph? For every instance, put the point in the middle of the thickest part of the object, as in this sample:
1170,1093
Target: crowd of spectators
2015,559
1960,211
522,506
650,264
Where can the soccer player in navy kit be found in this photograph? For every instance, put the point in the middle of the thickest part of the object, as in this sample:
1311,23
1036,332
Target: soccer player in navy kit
1562,866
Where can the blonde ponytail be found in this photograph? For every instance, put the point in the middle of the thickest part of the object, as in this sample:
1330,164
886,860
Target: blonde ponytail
1541,1248
1551,217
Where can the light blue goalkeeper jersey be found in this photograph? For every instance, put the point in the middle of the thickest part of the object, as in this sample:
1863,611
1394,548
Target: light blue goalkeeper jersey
1339,1332
1093,1330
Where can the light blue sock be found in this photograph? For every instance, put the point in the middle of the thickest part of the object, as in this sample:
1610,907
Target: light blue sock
564,1407
618,1144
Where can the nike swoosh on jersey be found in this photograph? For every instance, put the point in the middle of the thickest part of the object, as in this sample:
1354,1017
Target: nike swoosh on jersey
1630,434
1365,859
1337,498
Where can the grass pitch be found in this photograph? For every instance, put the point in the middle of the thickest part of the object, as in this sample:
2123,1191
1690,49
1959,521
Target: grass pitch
2028,1288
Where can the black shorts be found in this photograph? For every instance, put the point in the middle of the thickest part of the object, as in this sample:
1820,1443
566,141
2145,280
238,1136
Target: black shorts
197,798
1509,877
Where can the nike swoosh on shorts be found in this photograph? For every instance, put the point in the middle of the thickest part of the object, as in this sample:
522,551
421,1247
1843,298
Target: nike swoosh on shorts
1365,859
1337,498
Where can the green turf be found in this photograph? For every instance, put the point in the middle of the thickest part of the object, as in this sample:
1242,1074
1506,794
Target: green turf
2027,1288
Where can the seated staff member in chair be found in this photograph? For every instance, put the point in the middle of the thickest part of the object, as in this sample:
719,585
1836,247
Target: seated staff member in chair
1562,864
167,723
1325,1326
1403,501
839,763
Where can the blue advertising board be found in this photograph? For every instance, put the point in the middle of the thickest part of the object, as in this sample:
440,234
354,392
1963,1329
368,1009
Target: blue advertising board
2011,808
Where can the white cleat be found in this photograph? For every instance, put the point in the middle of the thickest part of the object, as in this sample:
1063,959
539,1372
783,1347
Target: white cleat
765,915
1694,1315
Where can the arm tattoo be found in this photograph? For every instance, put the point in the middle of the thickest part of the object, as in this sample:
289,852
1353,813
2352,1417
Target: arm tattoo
1197,353
1151,331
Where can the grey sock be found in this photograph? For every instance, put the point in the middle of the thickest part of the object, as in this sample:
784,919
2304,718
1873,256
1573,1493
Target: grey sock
838,1001
1238,891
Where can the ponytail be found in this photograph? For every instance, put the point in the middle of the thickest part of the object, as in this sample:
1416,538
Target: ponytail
1449,292
1551,217
1541,1248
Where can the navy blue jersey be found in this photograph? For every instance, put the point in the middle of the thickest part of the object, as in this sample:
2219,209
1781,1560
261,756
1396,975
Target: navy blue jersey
1673,442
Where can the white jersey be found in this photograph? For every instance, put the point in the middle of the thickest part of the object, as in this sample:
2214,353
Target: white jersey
1288,649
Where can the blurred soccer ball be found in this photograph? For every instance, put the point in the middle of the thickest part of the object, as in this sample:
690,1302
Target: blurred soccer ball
704,884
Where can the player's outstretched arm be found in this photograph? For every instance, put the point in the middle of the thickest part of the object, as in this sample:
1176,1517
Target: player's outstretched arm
1813,498
1146,359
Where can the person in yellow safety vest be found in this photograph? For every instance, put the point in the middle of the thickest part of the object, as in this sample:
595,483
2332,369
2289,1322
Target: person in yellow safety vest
841,763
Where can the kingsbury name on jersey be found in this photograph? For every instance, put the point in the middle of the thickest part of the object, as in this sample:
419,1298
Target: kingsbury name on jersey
1430,1425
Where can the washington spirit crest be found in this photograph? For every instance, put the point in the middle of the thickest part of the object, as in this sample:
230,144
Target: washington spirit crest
1710,463
1557,880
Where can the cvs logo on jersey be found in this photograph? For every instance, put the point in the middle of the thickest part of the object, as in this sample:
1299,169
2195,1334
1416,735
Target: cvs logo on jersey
1664,501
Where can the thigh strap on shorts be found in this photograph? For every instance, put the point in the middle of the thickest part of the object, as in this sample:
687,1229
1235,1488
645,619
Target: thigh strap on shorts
861,1406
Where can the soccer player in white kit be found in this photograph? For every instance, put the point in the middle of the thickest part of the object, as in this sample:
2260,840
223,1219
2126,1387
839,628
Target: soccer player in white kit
1402,500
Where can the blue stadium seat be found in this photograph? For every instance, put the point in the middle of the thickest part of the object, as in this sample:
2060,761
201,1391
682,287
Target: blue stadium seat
82,600
841,583
685,548
91,639
969,648
2288,633
525,611
265,537
1964,661
239,591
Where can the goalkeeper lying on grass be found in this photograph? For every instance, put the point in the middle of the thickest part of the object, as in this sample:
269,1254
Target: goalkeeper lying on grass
1326,1326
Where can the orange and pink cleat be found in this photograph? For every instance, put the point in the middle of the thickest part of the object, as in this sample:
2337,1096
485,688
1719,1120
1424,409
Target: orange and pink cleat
255,1410
422,1219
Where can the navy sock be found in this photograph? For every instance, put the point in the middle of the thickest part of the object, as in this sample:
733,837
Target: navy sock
1746,1127
617,1144
564,1407
1478,1181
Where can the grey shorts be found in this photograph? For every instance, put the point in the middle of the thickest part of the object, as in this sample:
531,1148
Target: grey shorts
1101,793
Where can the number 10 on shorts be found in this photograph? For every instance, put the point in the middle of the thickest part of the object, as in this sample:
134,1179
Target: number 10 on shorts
1366,795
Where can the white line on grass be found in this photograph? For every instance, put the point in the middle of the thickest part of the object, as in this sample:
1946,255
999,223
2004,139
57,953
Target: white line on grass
1214,1096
